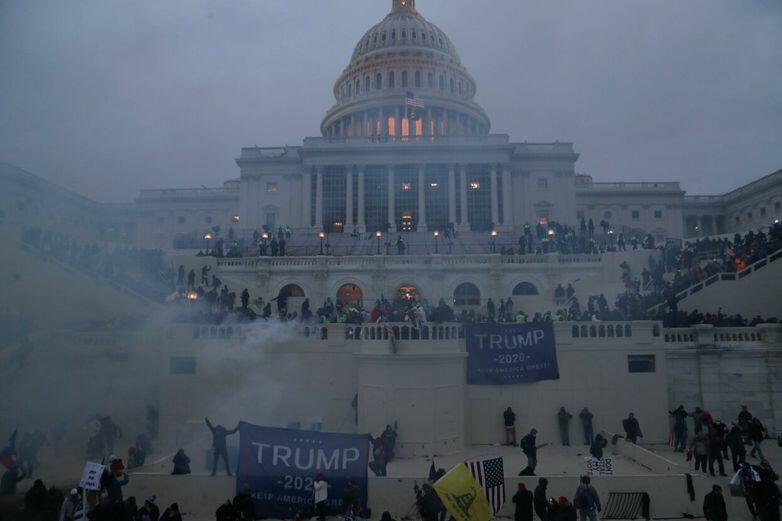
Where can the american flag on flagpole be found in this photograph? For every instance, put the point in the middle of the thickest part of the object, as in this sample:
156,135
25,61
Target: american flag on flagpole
490,476
411,100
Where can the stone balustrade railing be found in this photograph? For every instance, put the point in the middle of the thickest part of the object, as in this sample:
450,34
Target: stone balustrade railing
380,261
706,335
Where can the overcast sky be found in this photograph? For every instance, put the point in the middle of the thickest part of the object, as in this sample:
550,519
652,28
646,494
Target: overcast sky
111,96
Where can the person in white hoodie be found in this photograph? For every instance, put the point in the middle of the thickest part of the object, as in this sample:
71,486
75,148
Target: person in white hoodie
320,491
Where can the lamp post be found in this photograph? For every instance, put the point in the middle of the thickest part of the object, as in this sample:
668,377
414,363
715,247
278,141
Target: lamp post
378,234
611,238
322,236
493,241
207,238
264,244
436,235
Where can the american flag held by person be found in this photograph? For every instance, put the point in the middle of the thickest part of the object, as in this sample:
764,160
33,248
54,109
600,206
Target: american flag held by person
490,475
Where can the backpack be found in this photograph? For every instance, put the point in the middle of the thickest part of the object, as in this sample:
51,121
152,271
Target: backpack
584,499
527,443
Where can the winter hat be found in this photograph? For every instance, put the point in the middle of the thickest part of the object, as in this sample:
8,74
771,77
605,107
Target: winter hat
74,492
562,501
522,486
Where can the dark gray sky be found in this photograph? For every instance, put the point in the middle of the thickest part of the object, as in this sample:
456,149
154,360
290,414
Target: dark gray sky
110,96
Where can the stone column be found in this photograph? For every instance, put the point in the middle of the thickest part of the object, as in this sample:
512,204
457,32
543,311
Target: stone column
421,200
391,198
306,211
464,225
349,199
451,195
493,188
319,199
507,197
361,225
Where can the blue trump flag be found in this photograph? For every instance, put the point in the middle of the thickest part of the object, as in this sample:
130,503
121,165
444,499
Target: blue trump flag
280,466
510,353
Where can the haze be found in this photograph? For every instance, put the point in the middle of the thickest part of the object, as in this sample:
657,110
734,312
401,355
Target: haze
107,97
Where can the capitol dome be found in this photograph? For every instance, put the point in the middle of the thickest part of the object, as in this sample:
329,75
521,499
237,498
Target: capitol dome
405,80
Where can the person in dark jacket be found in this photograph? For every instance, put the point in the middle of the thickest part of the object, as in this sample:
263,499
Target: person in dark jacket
766,496
530,450
219,435
115,479
225,512
563,420
540,500
679,428
509,418
35,498
715,452
243,503
11,477
586,417
181,463
632,428
714,505
700,450
757,433
738,452
523,500
149,510
171,513
596,450
566,511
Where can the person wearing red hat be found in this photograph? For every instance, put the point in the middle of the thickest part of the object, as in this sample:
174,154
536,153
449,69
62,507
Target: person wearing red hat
523,501
566,511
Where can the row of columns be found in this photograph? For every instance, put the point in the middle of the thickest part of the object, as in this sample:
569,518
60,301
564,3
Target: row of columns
360,223
365,124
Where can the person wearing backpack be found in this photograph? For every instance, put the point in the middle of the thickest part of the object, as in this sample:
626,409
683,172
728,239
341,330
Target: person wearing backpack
530,450
587,502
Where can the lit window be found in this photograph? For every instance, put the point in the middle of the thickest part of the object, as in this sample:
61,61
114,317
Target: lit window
271,188
392,126
419,127
405,127
475,185
407,186
235,218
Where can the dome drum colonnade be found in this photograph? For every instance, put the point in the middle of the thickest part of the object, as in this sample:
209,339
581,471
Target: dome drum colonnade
402,56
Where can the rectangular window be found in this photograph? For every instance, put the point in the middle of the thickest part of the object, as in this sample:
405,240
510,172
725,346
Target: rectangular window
182,365
430,80
271,221
636,214
763,212
658,214
334,191
542,184
436,189
271,188
641,363
375,197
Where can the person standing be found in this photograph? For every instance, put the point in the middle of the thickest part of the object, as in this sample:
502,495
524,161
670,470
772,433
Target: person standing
679,428
563,419
714,505
757,433
596,449
587,501
715,452
700,450
530,450
219,435
523,500
540,500
738,452
632,429
766,496
586,417
510,426
320,491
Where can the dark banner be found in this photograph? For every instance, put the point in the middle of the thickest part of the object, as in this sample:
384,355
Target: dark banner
510,353
280,466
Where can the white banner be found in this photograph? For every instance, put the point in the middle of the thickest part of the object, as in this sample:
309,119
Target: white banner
599,467
90,477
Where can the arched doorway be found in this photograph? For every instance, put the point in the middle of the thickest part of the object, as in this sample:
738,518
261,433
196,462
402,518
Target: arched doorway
290,298
467,294
525,288
350,295
408,292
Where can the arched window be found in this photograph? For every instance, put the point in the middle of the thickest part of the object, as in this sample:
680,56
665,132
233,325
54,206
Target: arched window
525,288
366,83
393,35
442,82
418,79
378,81
291,290
404,78
430,80
358,86
391,80
350,89
391,126
460,86
467,294
350,295
452,89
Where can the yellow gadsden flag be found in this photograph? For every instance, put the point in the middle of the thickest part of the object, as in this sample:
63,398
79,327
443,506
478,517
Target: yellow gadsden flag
462,495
